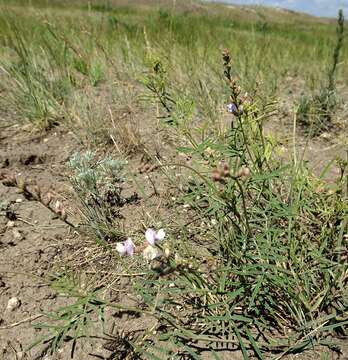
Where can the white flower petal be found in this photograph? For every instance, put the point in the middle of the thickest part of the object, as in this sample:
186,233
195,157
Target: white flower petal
150,236
151,253
160,235
121,249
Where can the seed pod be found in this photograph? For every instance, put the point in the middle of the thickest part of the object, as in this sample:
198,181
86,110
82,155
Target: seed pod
224,169
216,175
243,172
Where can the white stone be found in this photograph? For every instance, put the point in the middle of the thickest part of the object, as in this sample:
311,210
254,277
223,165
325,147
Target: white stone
13,304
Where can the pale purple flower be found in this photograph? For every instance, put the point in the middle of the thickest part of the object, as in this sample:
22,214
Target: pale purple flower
232,108
153,236
126,247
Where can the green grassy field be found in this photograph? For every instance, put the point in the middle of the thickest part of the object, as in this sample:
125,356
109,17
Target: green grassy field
71,47
272,277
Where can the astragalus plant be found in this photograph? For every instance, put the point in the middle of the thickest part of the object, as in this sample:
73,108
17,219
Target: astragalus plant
278,237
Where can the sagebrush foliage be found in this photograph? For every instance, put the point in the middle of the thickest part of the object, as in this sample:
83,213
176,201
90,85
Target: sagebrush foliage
98,185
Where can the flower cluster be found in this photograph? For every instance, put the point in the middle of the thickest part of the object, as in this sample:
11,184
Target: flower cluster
150,251
238,101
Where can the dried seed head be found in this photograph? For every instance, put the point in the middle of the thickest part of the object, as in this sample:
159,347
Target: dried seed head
226,56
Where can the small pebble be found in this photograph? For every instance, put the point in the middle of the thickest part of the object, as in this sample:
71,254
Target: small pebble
18,201
13,304
10,224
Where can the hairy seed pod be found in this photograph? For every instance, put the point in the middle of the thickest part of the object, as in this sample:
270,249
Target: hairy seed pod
216,175
224,169
243,172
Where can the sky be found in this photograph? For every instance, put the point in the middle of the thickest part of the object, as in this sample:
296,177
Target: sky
327,8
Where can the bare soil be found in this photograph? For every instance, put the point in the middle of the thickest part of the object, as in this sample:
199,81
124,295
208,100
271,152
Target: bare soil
32,238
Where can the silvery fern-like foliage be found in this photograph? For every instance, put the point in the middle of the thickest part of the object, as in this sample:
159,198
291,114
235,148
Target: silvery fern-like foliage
98,184
90,174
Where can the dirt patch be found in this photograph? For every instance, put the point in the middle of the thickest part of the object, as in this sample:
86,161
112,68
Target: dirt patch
32,239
